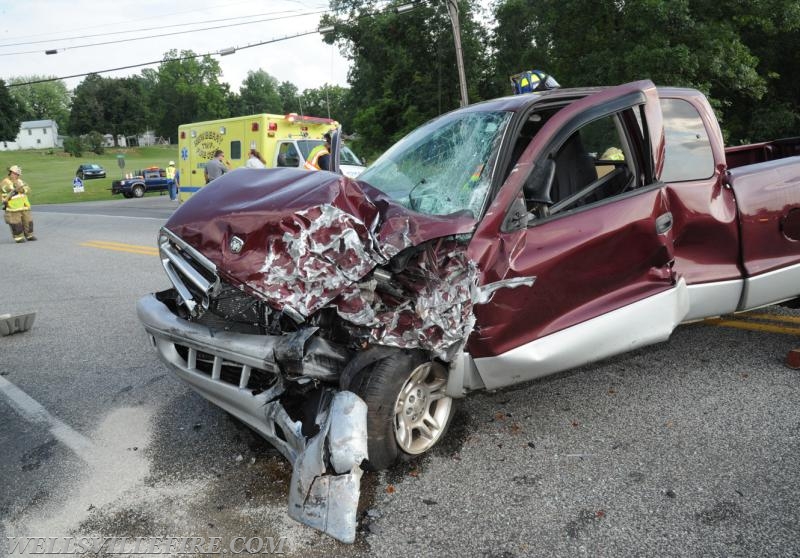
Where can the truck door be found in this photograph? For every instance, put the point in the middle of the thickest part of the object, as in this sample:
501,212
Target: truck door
584,214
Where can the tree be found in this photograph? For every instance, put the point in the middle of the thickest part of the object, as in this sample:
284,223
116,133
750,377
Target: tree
289,98
187,89
329,101
9,114
87,112
259,93
125,108
404,70
48,100
74,146
717,47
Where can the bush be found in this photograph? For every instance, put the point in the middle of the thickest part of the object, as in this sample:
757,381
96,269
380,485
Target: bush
95,141
74,146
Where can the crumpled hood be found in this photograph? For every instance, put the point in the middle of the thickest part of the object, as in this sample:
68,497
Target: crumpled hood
307,236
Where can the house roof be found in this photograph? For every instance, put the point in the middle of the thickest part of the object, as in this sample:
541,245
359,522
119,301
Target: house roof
38,124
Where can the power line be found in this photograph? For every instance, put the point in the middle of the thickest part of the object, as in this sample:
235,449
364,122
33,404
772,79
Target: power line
154,28
222,52
179,58
128,22
164,34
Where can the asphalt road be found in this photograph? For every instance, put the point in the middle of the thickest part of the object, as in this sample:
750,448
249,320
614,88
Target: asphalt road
688,448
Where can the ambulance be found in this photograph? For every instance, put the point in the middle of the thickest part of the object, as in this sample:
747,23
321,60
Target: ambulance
284,140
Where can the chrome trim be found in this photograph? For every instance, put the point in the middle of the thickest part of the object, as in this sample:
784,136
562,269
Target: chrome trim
183,291
770,288
205,262
177,268
185,268
642,323
714,299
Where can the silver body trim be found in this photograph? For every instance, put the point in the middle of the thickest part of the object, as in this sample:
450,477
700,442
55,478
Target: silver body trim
771,287
714,299
645,322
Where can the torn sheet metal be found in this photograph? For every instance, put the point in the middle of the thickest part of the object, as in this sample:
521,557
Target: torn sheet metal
321,262
324,252
326,499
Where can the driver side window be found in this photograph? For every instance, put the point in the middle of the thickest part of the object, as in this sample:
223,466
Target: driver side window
593,164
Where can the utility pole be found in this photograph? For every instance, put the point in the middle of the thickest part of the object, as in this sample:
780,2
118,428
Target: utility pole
452,7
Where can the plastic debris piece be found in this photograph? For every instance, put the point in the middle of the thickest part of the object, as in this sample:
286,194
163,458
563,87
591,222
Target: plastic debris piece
17,323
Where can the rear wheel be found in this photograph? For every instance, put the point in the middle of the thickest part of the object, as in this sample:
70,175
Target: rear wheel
408,410
137,191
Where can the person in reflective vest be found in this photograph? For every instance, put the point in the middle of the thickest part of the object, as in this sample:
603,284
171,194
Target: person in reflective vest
319,157
170,173
18,215
9,187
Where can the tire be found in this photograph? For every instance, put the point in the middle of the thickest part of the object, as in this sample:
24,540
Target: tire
127,194
407,410
137,191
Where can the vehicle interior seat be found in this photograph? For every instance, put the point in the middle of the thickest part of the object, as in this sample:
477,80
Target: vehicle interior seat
574,169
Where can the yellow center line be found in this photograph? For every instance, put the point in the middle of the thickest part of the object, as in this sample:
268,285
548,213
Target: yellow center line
740,322
121,247
773,318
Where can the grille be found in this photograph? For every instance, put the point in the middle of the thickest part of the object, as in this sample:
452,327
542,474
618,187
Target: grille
240,375
193,275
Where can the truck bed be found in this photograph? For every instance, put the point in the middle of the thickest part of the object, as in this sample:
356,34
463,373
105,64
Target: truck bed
741,155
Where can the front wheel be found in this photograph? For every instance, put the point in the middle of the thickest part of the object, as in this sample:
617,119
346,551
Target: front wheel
138,191
408,411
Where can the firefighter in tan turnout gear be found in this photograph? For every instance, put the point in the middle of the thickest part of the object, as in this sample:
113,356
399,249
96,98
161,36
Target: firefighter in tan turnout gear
17,207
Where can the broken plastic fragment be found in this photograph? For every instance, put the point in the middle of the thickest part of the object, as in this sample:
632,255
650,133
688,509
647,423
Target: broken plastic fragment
17,323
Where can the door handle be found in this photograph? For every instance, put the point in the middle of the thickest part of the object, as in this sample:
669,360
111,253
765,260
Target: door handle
664,223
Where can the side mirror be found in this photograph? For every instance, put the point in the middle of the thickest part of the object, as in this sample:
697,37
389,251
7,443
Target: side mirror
516,217
539,183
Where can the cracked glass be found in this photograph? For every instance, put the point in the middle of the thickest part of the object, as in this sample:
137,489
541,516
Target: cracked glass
444,167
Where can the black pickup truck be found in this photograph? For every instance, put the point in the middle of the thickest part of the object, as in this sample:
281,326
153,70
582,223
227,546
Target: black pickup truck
152,179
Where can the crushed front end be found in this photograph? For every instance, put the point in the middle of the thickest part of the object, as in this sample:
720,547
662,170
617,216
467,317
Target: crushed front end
269,339
227,346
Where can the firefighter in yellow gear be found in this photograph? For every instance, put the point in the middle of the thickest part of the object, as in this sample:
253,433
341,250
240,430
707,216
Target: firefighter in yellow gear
610,154
320,155
12,186
18,215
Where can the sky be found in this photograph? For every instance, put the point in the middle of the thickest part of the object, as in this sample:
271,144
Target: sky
72,27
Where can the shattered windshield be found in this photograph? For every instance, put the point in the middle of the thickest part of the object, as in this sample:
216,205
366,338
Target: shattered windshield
443,167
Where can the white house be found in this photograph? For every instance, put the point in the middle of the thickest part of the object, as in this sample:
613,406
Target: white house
34,134
108,140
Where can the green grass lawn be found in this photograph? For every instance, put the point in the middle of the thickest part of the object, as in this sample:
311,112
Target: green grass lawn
49,173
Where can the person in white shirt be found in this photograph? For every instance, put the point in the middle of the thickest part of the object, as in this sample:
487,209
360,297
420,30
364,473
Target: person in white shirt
255,161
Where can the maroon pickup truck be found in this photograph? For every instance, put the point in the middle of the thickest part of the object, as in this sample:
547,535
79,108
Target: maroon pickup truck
342,319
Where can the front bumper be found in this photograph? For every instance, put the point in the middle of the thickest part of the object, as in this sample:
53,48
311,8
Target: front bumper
243,374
